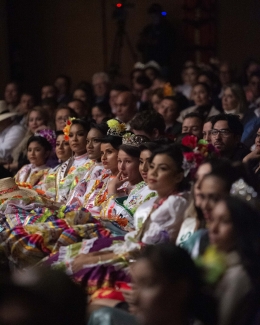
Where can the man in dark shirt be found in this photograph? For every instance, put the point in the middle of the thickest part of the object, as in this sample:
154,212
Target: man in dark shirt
226,133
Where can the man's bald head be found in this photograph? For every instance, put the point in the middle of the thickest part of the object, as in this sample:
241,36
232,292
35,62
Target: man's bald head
125,106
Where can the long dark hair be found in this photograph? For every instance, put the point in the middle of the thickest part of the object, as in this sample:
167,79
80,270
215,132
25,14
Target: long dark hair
115,141
246,225
174,264
174,151
41,140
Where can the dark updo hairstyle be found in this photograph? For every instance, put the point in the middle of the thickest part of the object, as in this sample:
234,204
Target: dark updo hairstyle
83,122
174,151
173,264
130,150
101,127
151,146
41,140
115,141
104,108
58,133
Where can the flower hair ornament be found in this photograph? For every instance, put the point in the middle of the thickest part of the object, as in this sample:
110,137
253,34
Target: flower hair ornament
200,151
49,135
134,140
116,128
168,90
241,189
67,127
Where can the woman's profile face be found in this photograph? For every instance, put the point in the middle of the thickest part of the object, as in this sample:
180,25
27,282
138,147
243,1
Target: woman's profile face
144,163
63,151
212,190
163,175
78,139
109,157
203,170
221,233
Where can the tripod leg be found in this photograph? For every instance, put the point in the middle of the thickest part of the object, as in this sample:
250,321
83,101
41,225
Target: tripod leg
130,46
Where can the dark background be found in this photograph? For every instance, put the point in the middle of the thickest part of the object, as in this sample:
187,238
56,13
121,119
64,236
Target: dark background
42,38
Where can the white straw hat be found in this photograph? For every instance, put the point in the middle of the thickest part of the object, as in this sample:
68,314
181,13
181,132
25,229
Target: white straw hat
3,106
4,116
9,189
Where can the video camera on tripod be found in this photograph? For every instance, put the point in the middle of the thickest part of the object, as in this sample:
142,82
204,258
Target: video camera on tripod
121,8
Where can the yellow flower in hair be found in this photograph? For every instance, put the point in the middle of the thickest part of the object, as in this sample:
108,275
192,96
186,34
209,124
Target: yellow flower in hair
113,124
115,127
66,129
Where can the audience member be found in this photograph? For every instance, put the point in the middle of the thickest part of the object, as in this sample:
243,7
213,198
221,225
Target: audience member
63,84
234,100
27,102
193,124
12,95
206,130
201,94
169,109
148,123
79,107
100,112
125,107
156,98
100,82
49,91
114,92
226,134
11,134
61,116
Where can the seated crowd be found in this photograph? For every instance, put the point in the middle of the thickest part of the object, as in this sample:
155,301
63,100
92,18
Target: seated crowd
146,197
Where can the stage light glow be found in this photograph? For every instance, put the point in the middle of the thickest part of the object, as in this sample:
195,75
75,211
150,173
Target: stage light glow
119,5
164,13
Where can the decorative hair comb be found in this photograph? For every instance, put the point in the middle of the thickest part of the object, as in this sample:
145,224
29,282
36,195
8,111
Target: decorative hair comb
134,140
66,129
116,128
241,189
49,135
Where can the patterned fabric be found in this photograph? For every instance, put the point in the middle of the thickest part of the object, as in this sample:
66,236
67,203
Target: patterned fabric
154,219
76,196
125,207
28,244
31,174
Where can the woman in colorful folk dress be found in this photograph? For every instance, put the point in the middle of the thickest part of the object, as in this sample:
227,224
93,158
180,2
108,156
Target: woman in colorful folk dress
39,147
125,207
157,220
71,172
95,134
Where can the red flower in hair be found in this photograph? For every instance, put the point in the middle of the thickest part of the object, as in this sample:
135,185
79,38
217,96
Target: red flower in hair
190,141
189,156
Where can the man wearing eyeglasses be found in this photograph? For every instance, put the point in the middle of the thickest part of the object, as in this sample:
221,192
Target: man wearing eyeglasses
226,133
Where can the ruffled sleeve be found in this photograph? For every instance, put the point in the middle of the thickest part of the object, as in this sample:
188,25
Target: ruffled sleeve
166,221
